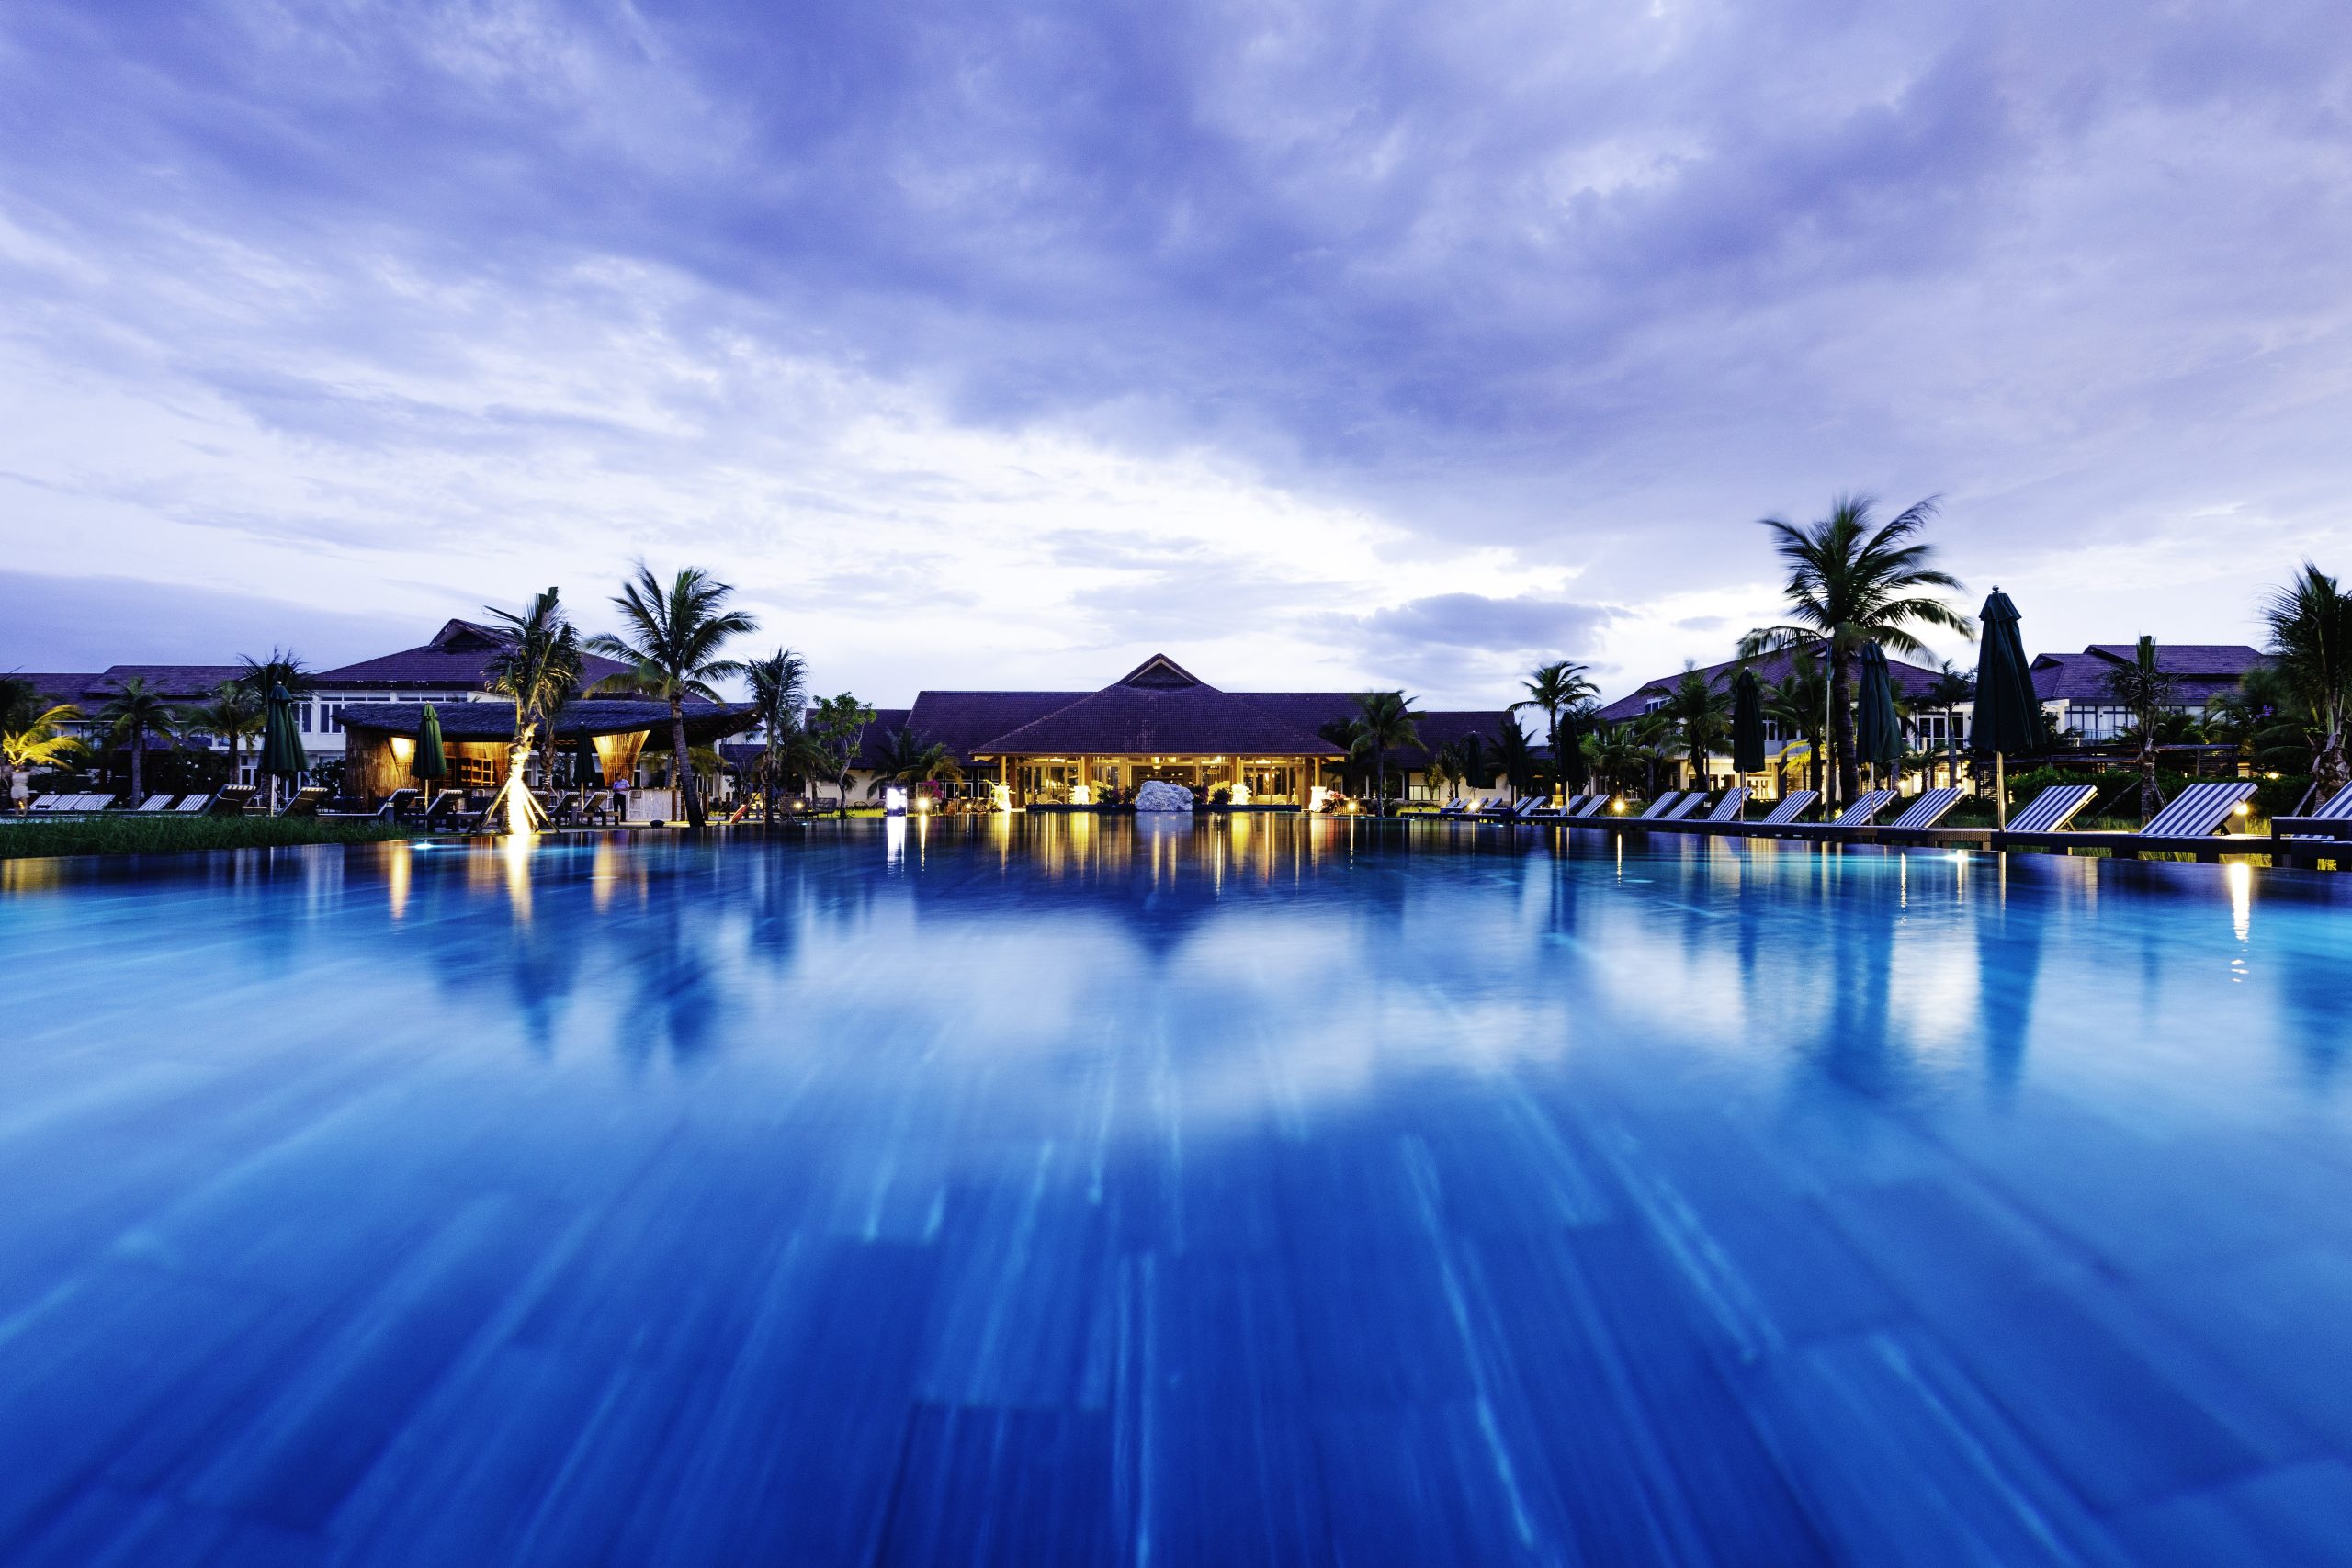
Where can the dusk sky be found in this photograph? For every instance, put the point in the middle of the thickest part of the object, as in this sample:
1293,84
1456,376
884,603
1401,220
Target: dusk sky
1319,345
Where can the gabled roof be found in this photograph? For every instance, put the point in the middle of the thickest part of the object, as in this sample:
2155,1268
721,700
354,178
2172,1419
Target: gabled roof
1910,680
51,688
179,682
1160,670
963,721
1131,720
2201,670
457,656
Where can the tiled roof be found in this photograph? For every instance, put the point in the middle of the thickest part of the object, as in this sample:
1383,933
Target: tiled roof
597,715
2201,670
180,681
51,688
962,721
457,656
1144,719
1909,680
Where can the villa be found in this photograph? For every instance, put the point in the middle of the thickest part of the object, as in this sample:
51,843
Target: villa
1158,721
2074,690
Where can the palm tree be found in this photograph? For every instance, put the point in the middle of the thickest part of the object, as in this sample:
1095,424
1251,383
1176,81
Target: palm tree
538,668
1514,753
138,710
839,725
907,759
1385,722
1559,688
32,736
1797,703
1944,694
2256,716
779,691
2149,693
2310,646
1850,583
1445,769
234,714
284,667
1698,710
672,646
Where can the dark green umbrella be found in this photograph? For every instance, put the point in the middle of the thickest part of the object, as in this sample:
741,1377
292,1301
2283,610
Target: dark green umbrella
431,762
1746,724
1878,728
281,741
2008,715
587,764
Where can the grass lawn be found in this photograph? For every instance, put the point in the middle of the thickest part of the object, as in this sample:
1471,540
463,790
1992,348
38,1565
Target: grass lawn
126,834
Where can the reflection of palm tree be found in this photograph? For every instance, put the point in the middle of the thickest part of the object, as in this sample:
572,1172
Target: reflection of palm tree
2311,644
671,646
138,710
907,759
1850,583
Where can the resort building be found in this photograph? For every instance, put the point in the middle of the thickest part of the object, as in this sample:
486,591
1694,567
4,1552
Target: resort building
453,666
1784,748
1158,721
380,742
2073,686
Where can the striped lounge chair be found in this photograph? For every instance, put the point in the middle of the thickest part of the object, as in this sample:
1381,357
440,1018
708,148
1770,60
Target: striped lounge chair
2332,820
2050,811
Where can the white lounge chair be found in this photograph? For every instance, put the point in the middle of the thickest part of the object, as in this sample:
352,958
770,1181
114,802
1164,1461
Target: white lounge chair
1658,808
1728,808
193,805
2199,811
1794,805
1687,807
1594,806
2332,820
2050,811
1932,806
155,802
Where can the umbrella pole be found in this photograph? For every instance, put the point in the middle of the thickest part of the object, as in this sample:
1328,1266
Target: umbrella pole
2000,792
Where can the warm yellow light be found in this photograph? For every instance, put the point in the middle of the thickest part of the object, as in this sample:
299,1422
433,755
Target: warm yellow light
403,750
2242,807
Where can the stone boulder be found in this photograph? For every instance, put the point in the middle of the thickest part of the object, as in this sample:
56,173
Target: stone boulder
1155,795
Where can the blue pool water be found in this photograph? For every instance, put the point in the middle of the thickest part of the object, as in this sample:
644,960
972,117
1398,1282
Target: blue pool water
1063,1192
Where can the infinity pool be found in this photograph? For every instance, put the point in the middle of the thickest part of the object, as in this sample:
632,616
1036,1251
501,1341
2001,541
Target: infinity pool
1055,1191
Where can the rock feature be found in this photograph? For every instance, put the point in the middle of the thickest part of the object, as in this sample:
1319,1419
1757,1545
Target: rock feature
1155,794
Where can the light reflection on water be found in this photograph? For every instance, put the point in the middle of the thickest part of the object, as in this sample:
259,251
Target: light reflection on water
1049,1079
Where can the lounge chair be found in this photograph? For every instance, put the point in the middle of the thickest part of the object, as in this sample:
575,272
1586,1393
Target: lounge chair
1860,814
156,803
598,806
1593,806
2187,826
1494,805
193,805
305,802
232,800
1656,809
2056,806
2332,820
1687,807
1453,808
1527,809
1728,808
444,807
1794,805
1932,806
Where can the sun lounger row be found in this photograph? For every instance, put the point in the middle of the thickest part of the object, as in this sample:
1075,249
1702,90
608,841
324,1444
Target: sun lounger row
2193,816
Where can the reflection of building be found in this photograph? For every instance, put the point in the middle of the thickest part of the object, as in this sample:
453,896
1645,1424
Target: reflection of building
2073,686
379,739
1158,721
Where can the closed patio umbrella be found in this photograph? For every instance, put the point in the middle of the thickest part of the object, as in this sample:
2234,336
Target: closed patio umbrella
1746,724
2008,715
281,742
432,763
1878,728
586,764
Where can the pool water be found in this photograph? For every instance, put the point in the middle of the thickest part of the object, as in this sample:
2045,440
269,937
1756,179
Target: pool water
1061,1192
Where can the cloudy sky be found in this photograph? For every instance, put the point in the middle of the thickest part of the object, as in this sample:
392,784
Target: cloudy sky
1317,344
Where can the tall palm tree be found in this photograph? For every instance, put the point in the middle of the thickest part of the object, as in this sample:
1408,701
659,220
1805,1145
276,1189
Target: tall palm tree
1944,694
1513,753
671,642
2257,717
779,691
1797,703
907,759
839,725
1446,770
1559,688
234,714
1385,722
2149,693
536,668
284,667
138,710
1699,710
2310,646
1851,582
